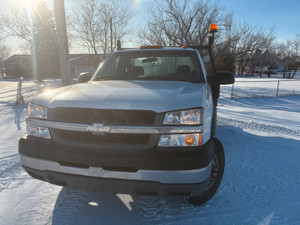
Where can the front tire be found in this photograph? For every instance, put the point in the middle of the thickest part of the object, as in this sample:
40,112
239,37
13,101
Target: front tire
215,177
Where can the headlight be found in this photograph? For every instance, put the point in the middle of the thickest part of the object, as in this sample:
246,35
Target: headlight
180,140
37,111
186,117
42,132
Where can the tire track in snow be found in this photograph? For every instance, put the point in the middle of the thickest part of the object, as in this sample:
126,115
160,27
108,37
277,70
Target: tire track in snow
68,204
259,126
150,209
157,210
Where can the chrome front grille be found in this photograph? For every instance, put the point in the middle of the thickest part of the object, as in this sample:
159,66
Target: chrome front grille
105,116
102,116
87,137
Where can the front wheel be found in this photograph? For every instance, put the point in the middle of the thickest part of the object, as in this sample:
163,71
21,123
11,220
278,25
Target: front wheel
217,171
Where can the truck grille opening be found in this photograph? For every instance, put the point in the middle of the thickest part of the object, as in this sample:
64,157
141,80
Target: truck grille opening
106,116
87,137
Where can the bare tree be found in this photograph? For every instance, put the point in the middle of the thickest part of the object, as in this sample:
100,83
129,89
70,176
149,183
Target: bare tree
35,30
248,45
227,45
186,22
4,53
92,20
175,22
121,16
289,53
85,23
16,24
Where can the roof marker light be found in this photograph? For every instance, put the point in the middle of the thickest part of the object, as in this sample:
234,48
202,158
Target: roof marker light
150,46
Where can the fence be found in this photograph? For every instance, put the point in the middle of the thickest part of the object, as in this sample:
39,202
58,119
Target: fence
244,88
16,91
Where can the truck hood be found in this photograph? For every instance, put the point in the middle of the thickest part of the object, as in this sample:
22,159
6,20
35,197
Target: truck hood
158,96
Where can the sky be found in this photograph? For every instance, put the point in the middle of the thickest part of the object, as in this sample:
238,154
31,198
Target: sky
284,15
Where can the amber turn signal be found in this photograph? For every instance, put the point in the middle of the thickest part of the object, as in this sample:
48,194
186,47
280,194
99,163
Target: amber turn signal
189,139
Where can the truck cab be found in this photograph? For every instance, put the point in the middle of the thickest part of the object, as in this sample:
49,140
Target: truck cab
142,124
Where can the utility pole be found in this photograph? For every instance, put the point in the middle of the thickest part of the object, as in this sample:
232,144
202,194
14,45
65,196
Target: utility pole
63,47
111,35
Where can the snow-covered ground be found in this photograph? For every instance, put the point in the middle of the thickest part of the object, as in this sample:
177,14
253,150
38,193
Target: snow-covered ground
262,87
261,184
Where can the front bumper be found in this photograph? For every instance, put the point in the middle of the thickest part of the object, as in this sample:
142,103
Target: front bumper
156,171
119,185
161,176
127,158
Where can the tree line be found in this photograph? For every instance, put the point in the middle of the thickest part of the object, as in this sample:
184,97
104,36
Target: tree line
95,26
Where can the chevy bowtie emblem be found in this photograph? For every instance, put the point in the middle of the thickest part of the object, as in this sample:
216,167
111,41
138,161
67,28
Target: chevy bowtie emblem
98,128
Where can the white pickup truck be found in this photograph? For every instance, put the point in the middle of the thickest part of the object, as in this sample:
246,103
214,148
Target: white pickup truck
142,124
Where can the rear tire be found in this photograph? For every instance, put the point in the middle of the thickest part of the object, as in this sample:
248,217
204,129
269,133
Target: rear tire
215,178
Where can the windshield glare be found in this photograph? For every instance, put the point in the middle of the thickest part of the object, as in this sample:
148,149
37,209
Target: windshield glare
151,65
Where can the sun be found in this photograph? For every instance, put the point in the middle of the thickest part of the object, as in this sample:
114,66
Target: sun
24,3
136,2
29,4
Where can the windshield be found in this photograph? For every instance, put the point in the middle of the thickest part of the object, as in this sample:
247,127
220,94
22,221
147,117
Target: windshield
151,65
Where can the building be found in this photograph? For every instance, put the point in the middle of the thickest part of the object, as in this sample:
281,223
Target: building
80,63
2,71
21,65
18,66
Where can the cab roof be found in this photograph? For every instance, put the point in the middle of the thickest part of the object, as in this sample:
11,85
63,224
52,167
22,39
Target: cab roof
155,48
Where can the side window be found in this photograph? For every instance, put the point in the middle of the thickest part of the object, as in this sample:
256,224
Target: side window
203,67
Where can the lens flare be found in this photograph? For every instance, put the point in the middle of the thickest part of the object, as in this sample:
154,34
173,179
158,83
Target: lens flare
136,2
24,3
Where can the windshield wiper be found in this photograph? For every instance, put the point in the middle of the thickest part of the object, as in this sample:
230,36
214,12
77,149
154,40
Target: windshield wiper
143,78
153,78
160,78
106,78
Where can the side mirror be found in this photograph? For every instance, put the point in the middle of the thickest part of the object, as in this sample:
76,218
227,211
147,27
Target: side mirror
84,77
224,77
